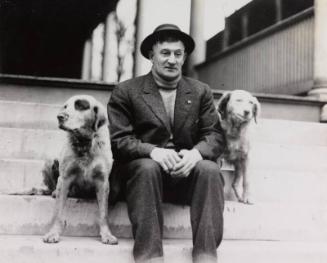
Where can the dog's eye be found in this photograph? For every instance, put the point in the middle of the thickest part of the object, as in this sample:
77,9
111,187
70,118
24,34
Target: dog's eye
82,105
251,102
65,107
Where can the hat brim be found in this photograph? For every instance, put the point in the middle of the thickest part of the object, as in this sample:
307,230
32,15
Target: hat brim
150,40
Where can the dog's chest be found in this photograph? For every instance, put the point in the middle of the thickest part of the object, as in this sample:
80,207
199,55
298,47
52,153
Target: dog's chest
236,150
86,170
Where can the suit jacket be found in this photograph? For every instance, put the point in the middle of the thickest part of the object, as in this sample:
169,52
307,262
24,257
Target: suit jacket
138,121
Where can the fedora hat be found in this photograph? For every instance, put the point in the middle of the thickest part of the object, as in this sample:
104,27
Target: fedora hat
166,30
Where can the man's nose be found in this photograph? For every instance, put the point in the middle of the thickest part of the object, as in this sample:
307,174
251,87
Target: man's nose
172,59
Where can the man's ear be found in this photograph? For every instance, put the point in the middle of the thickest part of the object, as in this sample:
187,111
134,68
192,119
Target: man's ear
151,55
185,57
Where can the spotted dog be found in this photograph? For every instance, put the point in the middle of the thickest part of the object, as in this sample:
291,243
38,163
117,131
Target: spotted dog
85,161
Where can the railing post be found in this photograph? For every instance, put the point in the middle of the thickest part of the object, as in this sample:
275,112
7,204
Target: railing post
279,10
245,25
196,31
226,33
87,59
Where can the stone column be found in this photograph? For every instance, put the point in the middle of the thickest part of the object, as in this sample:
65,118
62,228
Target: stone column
140,34
196,31
320,51
87,60
109,63
319,89
106,50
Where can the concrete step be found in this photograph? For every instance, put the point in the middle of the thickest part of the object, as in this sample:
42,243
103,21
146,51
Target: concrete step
26,249
56,91
289,132
43,116
50,90
43,144
31,215
285,157
28,115
31,143
20,175
17,175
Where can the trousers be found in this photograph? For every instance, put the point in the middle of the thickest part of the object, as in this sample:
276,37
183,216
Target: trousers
147,186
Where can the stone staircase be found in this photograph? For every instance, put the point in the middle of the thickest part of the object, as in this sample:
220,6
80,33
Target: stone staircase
288,222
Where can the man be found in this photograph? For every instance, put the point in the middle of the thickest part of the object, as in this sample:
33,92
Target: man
166,139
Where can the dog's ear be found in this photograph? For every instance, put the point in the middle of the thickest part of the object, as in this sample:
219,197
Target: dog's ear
222,104
100,117
256,109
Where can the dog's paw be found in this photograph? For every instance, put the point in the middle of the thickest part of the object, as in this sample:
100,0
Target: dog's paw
238,193
247,199
54,194
51,237
108,238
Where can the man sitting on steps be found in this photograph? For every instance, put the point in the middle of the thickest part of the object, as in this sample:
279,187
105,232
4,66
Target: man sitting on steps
166,139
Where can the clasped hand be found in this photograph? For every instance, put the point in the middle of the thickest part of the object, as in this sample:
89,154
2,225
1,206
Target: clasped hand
177,164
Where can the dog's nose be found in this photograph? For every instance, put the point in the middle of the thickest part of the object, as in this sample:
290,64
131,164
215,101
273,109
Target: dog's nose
246,113
62,117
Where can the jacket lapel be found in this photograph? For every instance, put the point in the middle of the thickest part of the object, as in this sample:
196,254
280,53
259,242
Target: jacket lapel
153,99
183,104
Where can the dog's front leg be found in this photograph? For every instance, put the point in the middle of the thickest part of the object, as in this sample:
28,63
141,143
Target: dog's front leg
247,196
102,192
237,181
62,190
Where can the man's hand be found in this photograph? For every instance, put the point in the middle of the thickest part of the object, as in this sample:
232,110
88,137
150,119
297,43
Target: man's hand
188,162
167,158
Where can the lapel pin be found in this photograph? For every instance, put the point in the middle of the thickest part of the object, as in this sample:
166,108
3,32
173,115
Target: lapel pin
188,102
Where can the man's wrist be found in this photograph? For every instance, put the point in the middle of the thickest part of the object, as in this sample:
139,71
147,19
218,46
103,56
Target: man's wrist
150,149
153,151
197,153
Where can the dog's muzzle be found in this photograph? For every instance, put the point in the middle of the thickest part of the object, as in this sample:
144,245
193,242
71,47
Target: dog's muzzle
62,117
241,118
246,113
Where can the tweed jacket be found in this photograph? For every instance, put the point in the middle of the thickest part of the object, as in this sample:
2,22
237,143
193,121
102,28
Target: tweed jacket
138,120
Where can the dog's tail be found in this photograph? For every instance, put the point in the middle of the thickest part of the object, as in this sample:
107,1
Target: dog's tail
50,174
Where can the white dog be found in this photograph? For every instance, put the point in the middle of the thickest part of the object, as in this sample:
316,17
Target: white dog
85,162
237,110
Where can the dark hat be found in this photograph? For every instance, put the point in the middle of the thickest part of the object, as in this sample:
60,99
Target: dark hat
166,30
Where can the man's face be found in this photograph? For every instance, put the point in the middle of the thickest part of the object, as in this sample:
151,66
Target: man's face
167,59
